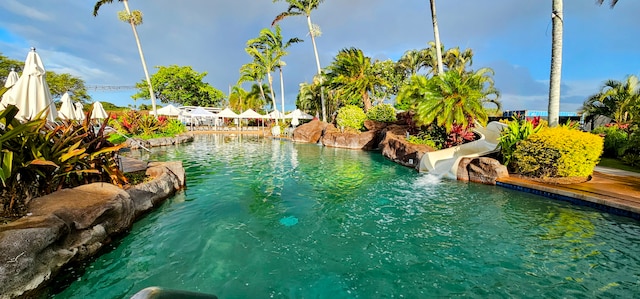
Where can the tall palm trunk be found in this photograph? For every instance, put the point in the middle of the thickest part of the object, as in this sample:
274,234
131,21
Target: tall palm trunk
315,51
436,36
144,63
282,90
273,95
264,97
556,63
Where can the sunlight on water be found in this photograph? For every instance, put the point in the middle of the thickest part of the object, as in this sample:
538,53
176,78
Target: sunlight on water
426,180
271,219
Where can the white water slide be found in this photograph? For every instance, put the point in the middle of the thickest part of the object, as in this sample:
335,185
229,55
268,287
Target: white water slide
445,162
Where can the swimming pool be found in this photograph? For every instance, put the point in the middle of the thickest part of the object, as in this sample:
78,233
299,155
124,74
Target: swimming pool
266,218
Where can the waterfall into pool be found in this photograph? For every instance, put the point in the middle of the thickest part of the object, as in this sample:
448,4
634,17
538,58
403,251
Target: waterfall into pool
265,218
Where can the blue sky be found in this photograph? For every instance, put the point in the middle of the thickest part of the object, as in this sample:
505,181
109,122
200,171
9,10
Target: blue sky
512,37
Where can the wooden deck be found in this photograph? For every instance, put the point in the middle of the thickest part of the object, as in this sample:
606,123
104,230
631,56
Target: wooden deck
608,187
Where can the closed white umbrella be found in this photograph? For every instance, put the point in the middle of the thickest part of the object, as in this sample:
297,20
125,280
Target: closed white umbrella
299,114
31,92
79,113
12,78
98,111
275,114
67,109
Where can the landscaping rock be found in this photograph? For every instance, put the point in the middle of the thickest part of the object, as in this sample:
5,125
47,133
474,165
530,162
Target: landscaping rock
371,125
395,147
361,140
483,170
72,225
310,132
137,143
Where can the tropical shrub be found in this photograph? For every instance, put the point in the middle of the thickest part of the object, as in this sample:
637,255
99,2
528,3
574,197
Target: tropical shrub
38,159
516,131
630,153
351,116
382,113
615,139
558,152
451,97
424,139
173,127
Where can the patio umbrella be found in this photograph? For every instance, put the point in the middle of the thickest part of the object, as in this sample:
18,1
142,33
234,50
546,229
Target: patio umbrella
31,92
228,113
250,113
79,113
12,78
67,109
275,114
299,114
98,112
168,110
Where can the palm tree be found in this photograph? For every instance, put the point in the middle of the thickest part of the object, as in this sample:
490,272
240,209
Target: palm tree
305,7
134,19
617,100
267,51
352,74
273,39
256,96
309,98
252,72
458,61
451,98
264,59
556,63
612,3
436,35
413,61
241,100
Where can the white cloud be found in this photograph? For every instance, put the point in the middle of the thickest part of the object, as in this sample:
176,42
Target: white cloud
25,10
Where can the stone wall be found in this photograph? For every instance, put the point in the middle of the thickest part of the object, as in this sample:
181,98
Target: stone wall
137,143
72,225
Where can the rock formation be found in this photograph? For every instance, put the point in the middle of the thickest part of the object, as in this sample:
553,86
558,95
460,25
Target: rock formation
72,225
483,170
395,147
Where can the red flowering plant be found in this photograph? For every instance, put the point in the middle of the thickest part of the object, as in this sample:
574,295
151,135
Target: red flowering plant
458,135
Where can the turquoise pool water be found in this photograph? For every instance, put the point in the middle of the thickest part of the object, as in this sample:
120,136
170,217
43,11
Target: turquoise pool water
265,218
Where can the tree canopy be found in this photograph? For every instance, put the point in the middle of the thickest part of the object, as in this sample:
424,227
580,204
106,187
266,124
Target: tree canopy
6,64
58,83
180,85
74,86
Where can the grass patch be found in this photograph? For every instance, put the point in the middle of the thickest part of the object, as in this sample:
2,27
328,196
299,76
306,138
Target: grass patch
617,164
137,177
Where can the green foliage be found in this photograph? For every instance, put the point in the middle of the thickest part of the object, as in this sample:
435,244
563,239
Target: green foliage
423,138
615,139
6,64
173,127
74,86
383,113
38,159
449,98
351,117
352,76
58,83
630,153
619,100
182,85
558,152
144,126
516,131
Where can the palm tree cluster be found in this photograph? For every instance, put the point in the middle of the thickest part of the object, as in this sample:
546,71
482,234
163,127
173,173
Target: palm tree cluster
618,100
